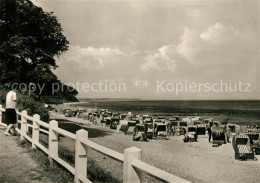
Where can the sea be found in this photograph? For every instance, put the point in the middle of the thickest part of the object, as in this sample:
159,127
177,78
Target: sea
226,107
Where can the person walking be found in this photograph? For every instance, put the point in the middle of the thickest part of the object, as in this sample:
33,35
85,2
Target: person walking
10,112
209,133
228,134
145,132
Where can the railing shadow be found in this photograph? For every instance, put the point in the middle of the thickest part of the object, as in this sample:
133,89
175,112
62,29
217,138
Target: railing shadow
92,132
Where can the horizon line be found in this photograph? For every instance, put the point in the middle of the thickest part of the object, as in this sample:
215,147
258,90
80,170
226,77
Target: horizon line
167,99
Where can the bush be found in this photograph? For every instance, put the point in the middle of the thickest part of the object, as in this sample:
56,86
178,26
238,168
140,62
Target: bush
28,103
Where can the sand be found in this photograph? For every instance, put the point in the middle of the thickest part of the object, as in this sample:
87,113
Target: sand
193,161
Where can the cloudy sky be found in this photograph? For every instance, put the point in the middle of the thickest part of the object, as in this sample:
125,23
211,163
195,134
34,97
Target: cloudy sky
170,41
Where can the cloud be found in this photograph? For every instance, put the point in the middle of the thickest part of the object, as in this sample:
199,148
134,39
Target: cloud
219,34
160,60
169,57
218,38
189,45
91,58
219,43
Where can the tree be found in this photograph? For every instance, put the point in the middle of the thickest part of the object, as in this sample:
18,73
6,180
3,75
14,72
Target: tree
29,41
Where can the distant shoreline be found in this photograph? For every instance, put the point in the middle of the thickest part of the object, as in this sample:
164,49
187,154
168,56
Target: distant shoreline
71,103
109,99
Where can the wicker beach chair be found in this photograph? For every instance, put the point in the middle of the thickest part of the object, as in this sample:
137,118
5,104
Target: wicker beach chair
138,132
253,136
242,148
201,129
218,136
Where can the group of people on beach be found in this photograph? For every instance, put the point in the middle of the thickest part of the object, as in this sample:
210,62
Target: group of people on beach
226,131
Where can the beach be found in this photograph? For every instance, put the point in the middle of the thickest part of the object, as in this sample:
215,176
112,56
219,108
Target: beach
193,161
245,112
166,91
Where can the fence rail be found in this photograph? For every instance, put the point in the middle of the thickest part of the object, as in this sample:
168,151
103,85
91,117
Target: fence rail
131,158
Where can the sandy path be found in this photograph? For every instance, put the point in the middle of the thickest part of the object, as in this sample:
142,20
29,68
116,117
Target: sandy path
16,165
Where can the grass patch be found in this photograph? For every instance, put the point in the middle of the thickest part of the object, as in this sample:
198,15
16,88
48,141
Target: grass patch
95,173
58,174
54,172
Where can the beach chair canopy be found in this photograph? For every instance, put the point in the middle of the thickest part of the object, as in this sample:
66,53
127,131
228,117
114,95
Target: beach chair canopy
148,120
174,123
139,128
241,139
131,123
192,129
218,134
109,113
115,119
201,130
123,116
174,118
183,123
149,125
161,127
197,122
253,136
232,128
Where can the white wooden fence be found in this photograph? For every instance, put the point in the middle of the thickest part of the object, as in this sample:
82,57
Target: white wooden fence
131,158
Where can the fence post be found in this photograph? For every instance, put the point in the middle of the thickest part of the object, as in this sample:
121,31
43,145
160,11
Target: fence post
23,124
35,130
53,140
80,156
129,173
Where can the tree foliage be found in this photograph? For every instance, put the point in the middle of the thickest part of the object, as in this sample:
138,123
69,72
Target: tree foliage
30,38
